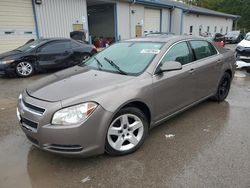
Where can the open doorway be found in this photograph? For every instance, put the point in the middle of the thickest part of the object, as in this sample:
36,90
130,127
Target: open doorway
102,22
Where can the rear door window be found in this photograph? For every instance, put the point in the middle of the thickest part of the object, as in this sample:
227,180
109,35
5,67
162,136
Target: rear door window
58,46
202,49
179,52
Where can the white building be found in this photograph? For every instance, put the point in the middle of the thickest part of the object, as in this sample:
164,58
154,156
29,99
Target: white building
21,20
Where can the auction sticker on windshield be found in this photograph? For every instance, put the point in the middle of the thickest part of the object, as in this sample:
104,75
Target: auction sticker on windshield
150,51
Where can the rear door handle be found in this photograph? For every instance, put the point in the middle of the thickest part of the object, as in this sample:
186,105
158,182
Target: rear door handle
219,61
191,71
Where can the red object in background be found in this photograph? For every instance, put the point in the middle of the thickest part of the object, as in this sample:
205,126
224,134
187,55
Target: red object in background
100,43
221,43
94,50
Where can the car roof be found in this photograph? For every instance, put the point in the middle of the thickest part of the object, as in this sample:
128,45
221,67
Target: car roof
52,39
165,38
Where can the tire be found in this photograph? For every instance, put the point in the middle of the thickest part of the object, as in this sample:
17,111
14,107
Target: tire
24,69
122,138
223,88
248,70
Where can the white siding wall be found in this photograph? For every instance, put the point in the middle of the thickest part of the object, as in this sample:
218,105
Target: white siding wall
176,21
16,16
123,21
205,21
138,18
56,17
165,22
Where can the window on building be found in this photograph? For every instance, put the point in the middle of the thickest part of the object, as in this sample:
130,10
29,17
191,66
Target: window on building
227,29
202,49
200,30
191,30
221,30
179,52
208,29
215,29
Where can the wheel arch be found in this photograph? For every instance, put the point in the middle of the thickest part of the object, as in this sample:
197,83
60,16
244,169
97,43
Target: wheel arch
229,72
140,105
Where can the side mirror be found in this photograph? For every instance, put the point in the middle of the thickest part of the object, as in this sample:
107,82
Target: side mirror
170,66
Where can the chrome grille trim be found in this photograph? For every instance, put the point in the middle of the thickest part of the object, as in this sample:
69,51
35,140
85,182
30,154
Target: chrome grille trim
27,107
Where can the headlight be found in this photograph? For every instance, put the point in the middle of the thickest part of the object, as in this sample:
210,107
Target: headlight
7,62
74,114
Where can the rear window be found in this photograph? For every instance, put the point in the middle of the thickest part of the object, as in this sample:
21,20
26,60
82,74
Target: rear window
202,49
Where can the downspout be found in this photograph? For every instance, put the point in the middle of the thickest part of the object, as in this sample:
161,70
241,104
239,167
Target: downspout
116,26
170,20
161,21
35,18
181,24
130,15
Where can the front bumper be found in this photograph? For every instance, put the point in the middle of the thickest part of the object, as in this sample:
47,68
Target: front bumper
82,140
243,58
6,69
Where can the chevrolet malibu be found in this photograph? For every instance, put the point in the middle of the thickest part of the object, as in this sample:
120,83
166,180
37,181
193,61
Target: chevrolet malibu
109,102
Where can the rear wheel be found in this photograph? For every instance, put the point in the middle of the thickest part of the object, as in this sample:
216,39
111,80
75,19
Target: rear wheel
24,69
223,88
248,69
126,132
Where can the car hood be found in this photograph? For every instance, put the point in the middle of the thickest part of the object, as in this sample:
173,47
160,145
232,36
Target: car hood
245,43
73,82
10,55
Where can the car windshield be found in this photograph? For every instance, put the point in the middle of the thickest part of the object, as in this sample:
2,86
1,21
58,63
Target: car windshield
29,46
247,38
130,58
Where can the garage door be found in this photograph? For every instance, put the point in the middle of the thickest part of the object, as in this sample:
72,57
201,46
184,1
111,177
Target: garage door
16,23
152,20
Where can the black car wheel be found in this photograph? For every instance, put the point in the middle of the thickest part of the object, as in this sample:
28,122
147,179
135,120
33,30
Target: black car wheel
85,57
223,88
126,132
24,69
248,70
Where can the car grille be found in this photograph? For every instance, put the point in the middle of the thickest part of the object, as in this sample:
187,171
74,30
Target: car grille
29,125
63,148
245,52
34,109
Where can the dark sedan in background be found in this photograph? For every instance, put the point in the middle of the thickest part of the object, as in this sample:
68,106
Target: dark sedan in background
234,37
44,54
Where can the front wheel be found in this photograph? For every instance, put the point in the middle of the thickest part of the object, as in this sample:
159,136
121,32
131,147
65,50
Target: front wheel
126,132
223,88
24,69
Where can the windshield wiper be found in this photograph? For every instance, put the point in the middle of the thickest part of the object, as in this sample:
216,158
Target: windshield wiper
98,63
115,66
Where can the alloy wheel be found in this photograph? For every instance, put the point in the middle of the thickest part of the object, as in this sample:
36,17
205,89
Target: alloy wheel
24,69
125,132
85,58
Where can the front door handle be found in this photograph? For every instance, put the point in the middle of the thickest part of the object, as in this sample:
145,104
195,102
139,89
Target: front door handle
191,71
